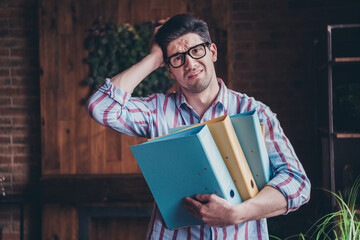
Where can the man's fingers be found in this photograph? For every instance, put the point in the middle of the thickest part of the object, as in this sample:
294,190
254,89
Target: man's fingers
193,206
203,197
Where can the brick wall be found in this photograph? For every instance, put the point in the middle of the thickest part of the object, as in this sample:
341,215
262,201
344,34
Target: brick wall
272,52
19,111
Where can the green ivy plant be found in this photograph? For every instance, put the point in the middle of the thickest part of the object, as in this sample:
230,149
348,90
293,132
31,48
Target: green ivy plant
114,48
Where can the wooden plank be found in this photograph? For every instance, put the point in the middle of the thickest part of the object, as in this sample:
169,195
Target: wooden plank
347,135
83,143
59,222
97,148
84,13
67,85
69,223
128,163
66,132
50,221
113,152
50,150
347,59
89,188
64,16
109,228
48,44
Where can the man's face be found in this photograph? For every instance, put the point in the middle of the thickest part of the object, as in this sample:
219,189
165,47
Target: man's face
196,74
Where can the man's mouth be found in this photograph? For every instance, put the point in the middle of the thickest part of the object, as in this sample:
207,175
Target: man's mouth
194,74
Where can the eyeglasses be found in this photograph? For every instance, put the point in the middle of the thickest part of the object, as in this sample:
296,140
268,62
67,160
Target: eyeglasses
196,52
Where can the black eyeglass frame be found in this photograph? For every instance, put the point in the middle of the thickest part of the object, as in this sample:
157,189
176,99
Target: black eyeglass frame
204,44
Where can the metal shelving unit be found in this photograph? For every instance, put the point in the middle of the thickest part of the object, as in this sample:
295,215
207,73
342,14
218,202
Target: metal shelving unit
334,59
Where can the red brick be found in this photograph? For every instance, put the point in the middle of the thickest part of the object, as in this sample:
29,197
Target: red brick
5,140
21,62
24,72
22,3
21,178
4,72
10,111
26,101
5,81
25,81
5,129
4,52
11,235
27,159
21,33
24,52
20,187
5,149
20,149
4,23
23,120
5,217
5,101
18,130
11,12
239,6
16,43
22,23
17,91
4,62
21,139
5,159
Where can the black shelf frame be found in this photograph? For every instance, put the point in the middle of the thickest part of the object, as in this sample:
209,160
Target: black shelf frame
332,135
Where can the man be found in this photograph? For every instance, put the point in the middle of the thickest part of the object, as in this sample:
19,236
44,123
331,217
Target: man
184,46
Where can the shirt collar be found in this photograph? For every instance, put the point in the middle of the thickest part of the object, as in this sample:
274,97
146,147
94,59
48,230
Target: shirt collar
221,97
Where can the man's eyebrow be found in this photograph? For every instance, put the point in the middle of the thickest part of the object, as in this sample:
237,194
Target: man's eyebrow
183,52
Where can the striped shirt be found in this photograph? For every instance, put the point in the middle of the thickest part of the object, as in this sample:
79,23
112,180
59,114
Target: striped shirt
154,115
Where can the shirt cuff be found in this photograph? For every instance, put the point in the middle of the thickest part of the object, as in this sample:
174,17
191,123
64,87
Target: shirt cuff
118,94
290,188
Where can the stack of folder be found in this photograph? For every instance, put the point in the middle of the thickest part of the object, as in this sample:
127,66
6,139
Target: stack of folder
226,156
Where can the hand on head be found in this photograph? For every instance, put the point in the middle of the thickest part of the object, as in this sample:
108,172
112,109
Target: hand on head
154,47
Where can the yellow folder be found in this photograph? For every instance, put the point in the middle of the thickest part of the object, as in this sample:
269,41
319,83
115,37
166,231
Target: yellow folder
229,147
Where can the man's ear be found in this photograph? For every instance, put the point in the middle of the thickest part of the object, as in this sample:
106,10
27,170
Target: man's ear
213,50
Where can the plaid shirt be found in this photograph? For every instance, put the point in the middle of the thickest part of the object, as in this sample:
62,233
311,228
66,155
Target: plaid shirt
152,116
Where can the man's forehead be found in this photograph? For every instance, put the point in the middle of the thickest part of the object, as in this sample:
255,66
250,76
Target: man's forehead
183,43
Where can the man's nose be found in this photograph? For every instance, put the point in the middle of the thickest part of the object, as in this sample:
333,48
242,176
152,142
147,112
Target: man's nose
190,62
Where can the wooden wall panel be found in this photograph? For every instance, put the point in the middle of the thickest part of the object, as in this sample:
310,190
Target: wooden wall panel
59,222
72,143
118,228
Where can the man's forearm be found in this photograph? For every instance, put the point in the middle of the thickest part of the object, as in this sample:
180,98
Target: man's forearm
217,212
130,78
269,202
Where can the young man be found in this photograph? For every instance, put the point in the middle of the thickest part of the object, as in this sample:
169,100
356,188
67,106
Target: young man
184,46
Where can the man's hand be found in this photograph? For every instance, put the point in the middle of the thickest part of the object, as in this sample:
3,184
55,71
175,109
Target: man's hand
154,47
217,212
211,209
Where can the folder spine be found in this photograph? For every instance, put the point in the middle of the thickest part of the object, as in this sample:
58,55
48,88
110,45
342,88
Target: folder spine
227,186
233,156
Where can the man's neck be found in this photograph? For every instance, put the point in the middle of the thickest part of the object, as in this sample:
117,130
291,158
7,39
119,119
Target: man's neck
201,102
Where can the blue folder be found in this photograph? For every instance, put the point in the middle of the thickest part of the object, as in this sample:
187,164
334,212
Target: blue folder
248,131
182,165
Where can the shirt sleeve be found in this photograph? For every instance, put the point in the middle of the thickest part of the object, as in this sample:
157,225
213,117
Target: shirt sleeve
117,110
289,176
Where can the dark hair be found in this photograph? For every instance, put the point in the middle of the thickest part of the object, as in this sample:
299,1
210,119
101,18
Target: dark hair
178,26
